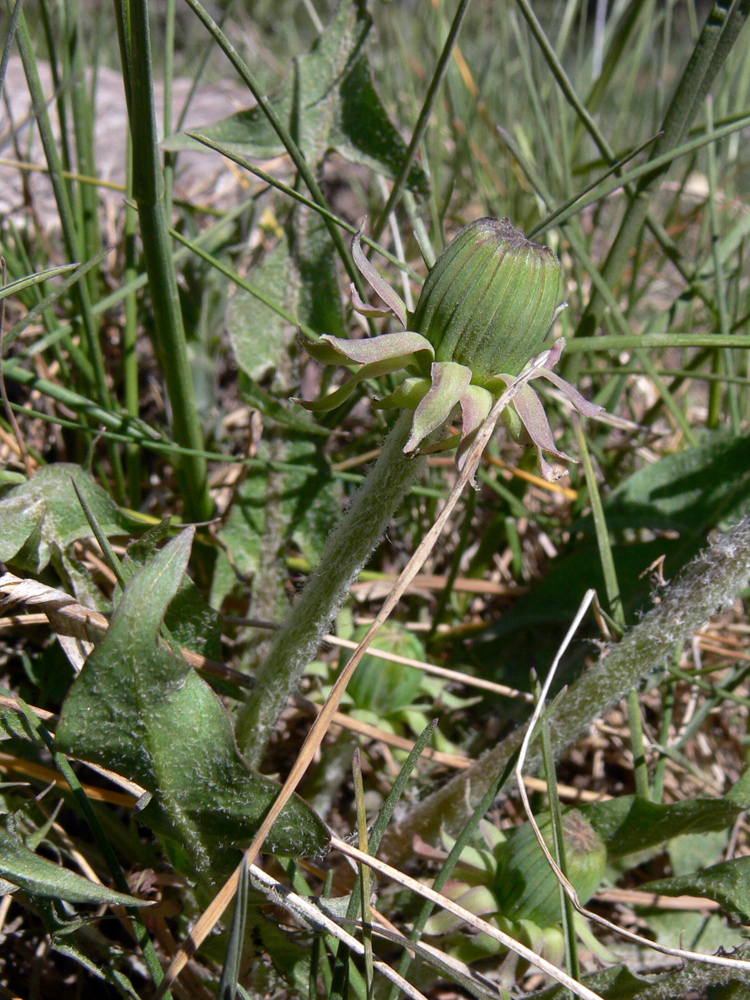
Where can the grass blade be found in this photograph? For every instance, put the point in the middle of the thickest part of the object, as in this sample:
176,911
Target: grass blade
148,191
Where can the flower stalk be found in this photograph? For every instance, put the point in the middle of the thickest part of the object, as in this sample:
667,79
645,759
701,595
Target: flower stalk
709,584
477,331
347,550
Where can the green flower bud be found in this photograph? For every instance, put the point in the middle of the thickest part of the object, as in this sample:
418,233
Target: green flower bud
528,889
479,326
382,686
489,300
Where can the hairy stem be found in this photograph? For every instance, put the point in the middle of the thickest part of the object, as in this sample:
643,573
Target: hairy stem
711,582
310,617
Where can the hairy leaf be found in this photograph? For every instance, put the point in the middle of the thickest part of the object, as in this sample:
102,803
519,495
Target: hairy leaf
327,102
306,504
728,883
689,492
42,517
40,877
192,622
140,710
629,824
300,274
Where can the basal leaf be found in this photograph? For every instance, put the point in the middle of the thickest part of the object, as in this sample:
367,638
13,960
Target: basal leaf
305,101
616,983
688,492
13,725
685,494
191,621
619,983
305,504
728,883
557,596
43,516
20,522
300,274
106,971
140,710
381,686
328,102
630,824
697,850
285,413
40,877
259,335
363,133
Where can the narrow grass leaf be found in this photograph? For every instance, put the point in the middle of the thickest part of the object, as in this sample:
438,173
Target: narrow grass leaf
36,311
230,973
14,287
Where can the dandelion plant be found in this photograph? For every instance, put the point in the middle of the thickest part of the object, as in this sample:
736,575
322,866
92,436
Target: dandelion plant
479,327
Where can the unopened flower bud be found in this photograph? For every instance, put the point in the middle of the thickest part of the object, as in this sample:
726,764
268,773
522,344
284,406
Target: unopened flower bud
526,886
489,300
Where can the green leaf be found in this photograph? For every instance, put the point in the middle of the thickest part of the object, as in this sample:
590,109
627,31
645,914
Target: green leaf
327,102
363,133
40,518
708,933
106,973
689,492
300,274
284,413
239,559
9,478
306,505
191,621
739,793
259,335
557,597
13,724
139,710
20,522
381,686
41,877
230,974
619,983
728,883
291,959
629,824
14,287
697,850
616,983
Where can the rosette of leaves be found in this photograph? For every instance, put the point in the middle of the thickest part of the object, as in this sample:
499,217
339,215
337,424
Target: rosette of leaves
395,697
509,882
480,322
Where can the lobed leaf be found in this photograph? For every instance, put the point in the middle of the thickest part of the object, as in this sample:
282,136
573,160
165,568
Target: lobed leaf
43,516
328,102
139,710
